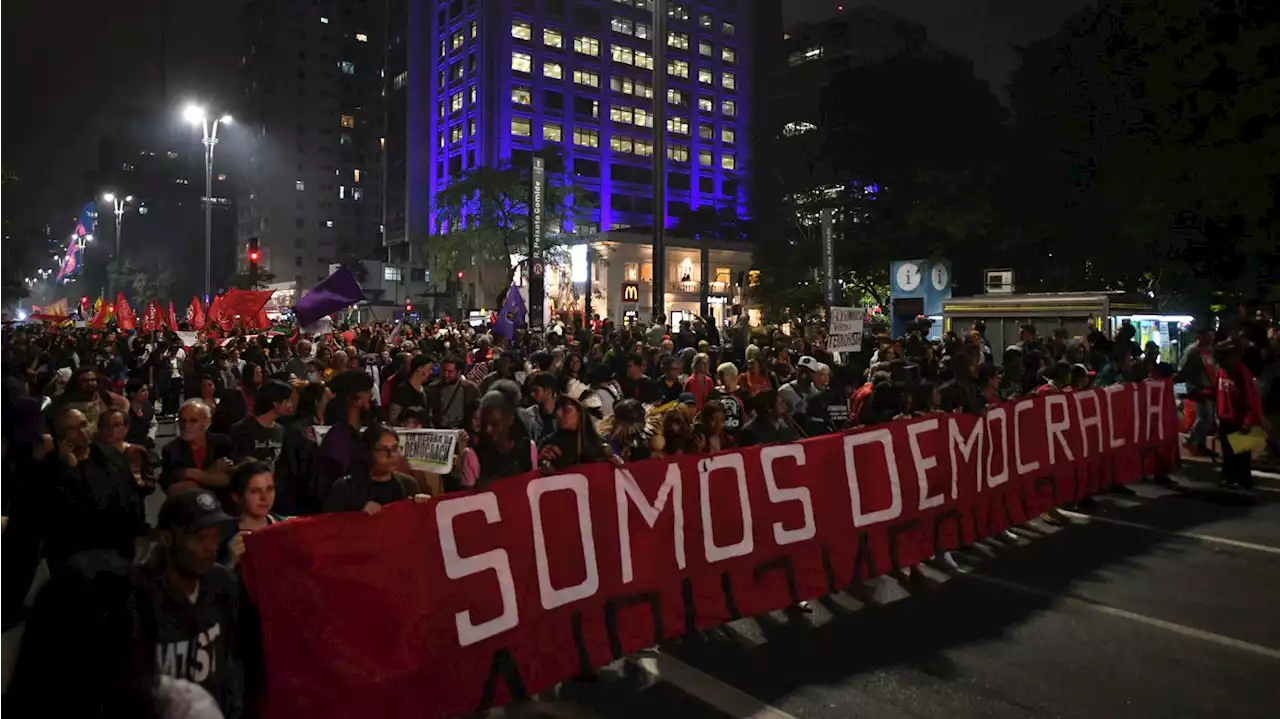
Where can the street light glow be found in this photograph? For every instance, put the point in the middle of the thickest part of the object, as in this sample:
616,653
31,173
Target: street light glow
128,198
108,197
225,119
193,114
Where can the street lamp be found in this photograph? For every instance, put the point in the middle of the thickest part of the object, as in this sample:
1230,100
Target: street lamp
118,203
195,115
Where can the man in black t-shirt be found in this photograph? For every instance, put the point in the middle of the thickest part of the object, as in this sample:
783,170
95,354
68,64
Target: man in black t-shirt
637,386
412,391
260,436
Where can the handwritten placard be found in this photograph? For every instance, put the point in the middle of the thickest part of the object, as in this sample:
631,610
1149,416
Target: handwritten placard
845,332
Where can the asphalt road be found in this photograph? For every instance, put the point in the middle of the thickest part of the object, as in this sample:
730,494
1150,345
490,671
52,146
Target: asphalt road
1158,605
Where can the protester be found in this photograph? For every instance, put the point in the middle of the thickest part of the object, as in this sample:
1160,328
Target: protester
451,398
1239,408
504,448
574,439
350,410
412,391
197,457
374,481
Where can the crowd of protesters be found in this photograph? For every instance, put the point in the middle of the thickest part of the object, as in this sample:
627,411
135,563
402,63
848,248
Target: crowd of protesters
270,426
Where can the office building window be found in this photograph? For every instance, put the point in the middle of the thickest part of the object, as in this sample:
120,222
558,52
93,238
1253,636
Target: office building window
678,40
348,120
355,176
455,102
728,161
678,153
587,46
521,127
727,28
456,71
706,104
586,77
622,143
728,55
704,49
400,80
706,21
586,137
457,40
679,68
677,12
471,127
521,62
644,60
644,148
475,30
728,136
642,31
347,67
704,158
361,37
473,94
623,25
675,97
644,118
677,124
706,132
729,108
441,106
623,54
455,134
392,273
552,70
521,30
552,38
704,76
551,132
521,95
586,106
622,113
729,81
299,185
444,48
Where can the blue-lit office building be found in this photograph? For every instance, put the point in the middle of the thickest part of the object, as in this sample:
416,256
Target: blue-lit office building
488,81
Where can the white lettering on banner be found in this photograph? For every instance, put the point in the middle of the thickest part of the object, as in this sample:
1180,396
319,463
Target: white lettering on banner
778,495
629,492
1155,409
1116,442
1136,415
994,479
1023,468
1056,431
747,544
966,447
922,463
457,566
576,483
885,439
845,331
1094,420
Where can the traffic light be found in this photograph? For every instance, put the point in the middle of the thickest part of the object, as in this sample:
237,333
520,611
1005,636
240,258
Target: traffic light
408,306
460,274
253,252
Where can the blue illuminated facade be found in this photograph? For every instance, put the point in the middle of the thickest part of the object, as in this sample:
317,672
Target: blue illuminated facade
490,81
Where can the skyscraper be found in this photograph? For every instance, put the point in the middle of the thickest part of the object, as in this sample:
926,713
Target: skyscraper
315,122
485,82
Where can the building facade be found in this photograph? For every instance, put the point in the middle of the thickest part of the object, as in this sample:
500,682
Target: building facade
488,82
313,126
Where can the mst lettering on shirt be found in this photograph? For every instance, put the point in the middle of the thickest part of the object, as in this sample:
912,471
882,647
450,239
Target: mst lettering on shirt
194,658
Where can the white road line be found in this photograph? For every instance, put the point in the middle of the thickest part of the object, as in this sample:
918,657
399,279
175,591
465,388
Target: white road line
1189,535
1140,618
700,685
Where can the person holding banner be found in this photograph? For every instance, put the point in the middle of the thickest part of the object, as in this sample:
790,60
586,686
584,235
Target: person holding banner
253,489
504,448
574,440
374,482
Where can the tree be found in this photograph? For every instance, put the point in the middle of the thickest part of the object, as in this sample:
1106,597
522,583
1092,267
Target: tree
482,219
142,281
1166,145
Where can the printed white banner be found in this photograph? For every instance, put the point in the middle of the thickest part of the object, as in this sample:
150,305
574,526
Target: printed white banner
430,450
845,332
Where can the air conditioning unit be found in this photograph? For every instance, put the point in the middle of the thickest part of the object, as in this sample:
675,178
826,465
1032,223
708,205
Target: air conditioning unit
998,282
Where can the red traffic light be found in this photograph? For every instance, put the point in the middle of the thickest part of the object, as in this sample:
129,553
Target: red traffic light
460,274
253,256
408,307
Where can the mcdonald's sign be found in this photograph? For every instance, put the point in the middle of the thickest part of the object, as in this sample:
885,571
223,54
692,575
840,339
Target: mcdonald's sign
630,292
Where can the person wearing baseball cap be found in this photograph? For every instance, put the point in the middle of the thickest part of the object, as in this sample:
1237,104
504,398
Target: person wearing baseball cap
800,390
196,601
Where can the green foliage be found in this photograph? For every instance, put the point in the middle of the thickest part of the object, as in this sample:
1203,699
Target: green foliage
140,281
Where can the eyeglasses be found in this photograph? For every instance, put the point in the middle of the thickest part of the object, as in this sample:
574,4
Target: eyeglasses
393,449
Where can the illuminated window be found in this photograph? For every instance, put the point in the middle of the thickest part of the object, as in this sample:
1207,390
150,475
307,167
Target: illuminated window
679,68
727,28
623,54
457,40
347,67
622,113
444,48
623,25
521,62
552,70
704,49
586,77
706,21
328,223
455,102
586,137
440,140
471,127
678,153
729,108
521,30
622,143
355,176
521,127
441,106
704,76
644,148
348,120
392,273
791,129
357,193
644,60
728,136
521,95
678,125
551,132
706,104
644,118
728,54
706,132
299,186
552,38
800,57
455,134
324,20
728,161
728,81
475,30
679,12
473,94
705,158
678,40
361,37
587,46
399,81
457,70
675,97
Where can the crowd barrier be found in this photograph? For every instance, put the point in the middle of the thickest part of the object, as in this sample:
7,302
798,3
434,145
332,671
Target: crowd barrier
458,605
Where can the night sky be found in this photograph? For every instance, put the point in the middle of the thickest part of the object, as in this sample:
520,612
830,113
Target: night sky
75,66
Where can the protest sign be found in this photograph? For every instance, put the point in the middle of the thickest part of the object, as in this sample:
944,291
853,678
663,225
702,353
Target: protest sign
453,606
429,450
845,331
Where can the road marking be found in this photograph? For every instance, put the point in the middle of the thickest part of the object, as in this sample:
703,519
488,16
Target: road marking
1189,535
1184,630
700,685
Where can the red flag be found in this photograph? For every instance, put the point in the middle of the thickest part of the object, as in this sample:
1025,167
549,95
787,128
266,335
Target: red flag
125,319
195,314
100,320
151,317
245,304
262,322
173,318
214,315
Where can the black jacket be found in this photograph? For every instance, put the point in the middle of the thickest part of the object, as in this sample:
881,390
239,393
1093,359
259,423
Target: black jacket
762,431
177,455
94,505
350,493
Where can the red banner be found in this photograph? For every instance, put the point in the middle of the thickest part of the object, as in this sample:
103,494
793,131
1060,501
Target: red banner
125,319
195,314
172,318
447,608
151,317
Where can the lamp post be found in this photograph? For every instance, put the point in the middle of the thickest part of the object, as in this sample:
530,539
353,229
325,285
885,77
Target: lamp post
195,115
118,203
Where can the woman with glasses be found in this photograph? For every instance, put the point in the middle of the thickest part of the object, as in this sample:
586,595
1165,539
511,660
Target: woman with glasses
373,482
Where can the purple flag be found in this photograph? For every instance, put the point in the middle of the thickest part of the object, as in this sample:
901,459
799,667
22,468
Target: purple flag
511,315
337,291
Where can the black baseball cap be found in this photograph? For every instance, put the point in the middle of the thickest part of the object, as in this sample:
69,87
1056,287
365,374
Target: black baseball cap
192,510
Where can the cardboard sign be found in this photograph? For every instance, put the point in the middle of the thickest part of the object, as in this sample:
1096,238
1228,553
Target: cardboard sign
430,450
845,332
